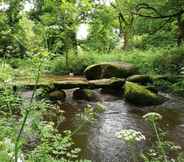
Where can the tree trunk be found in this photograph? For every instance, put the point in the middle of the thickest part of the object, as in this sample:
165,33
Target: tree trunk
125,37
180,30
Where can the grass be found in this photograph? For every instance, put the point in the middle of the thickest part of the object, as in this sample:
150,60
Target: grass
152,61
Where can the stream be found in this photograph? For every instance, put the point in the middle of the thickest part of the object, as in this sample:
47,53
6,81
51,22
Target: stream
98,141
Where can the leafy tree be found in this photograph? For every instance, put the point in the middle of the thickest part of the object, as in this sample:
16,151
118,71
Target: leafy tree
61,19
102,35
9,44
124,9
169,11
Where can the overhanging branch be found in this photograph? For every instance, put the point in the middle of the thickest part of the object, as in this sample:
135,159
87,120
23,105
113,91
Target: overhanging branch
158,15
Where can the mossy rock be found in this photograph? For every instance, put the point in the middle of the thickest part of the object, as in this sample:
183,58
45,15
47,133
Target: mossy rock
57,95
86,94
108,70
141,79
140,96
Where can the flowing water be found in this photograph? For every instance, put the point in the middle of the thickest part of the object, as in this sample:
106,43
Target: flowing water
98,140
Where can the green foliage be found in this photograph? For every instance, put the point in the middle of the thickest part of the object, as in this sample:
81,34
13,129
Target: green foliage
161,150
102,36
9,47
152,61
6,73
77,63
50,27
9,102
54,145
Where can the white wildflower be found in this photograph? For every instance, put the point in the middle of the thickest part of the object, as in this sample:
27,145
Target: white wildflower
152,116
21,158
130,135
175,147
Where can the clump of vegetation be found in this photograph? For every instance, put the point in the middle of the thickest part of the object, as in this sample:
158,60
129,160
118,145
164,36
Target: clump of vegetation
51,145
161,151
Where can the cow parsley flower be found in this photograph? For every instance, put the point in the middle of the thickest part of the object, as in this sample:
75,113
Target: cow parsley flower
130,135
152,117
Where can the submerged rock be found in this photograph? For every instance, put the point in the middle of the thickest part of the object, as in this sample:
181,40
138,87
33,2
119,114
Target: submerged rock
140,96
141,79
86,94
108,70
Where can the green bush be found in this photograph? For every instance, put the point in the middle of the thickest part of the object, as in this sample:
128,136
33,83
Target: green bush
76,63
171,61
152,61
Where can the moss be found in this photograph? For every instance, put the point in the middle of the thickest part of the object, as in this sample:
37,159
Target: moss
139,95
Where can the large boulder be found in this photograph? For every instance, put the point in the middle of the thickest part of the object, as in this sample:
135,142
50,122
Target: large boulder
140,96
108,70
141,79
86,94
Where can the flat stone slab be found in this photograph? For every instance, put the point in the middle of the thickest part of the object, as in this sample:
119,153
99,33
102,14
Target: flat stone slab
71,82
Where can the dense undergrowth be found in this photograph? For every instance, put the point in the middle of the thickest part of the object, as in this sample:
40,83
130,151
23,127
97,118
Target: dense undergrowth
155,61
152,61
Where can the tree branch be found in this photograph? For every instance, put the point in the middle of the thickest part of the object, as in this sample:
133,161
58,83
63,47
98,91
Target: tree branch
161,16
119,14
161,26
146,6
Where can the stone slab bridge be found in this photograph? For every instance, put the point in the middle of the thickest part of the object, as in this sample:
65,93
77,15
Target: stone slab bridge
67,82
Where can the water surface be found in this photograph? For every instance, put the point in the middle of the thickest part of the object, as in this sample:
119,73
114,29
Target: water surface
98,140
